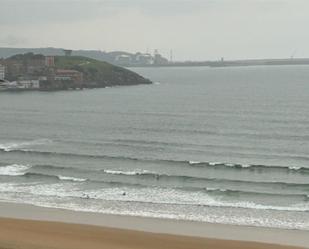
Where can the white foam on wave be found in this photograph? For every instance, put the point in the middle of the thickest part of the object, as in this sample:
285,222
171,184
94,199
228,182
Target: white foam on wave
69,195
230,164
246,165
22,145
158,201
14,170
215,163
165,212
179,197
70,178
172,197
194,162
129,173
295,167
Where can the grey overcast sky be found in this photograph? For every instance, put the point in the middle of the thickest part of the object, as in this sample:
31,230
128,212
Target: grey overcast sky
194,29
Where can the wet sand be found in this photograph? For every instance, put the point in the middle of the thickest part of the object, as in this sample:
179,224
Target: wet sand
25,234
36,228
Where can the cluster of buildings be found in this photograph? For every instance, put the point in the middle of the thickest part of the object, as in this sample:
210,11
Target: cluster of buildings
31,72
3,82
141,59
2,72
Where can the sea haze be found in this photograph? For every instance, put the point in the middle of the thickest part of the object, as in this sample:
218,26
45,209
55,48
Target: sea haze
224,145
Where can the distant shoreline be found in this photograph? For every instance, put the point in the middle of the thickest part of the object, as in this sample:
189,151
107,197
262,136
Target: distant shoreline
232,63
110,57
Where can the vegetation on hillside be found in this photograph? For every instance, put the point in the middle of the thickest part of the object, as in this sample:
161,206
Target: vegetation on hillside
98,73
95,73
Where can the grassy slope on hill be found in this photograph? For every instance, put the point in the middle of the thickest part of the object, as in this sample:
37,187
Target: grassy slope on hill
100,73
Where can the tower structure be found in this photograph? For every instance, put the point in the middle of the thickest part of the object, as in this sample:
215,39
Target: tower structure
67,52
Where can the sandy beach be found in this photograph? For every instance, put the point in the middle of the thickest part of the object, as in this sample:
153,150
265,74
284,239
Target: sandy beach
35,234
30,227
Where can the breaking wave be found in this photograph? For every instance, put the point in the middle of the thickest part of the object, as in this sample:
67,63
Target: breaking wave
7,147
14,170
69,178
192,163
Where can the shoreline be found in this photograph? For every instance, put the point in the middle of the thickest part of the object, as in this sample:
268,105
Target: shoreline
164,227
21,90
27,234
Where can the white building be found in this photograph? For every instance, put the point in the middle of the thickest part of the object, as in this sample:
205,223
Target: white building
28,84
123,59
2,72
144,59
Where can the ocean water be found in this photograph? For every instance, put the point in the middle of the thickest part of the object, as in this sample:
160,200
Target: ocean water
222,145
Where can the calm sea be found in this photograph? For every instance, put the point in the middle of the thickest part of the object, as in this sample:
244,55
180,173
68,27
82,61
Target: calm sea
224,145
